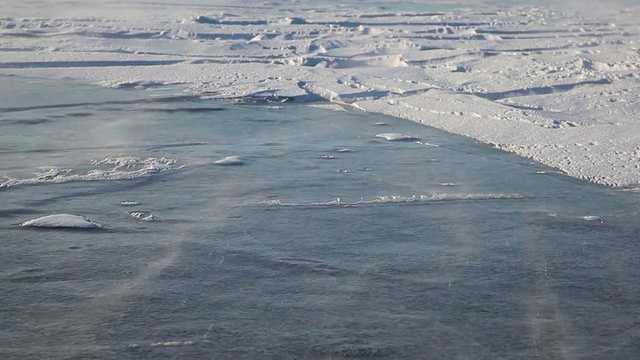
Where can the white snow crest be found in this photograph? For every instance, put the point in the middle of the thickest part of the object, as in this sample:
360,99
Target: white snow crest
396,137
230,160
63,221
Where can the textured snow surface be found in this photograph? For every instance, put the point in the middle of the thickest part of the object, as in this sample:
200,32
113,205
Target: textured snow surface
108,168
396,137
556,83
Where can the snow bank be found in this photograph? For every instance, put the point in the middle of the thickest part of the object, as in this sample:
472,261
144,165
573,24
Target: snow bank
557,85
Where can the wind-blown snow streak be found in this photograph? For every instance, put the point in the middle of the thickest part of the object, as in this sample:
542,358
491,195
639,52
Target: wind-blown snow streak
558,85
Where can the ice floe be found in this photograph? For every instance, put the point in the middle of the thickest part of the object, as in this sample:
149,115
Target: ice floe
326,157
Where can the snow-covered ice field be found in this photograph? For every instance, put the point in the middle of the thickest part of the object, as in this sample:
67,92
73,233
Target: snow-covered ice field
557,82
215,179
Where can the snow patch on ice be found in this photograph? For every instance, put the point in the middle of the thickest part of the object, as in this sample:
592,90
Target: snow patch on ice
230,160
63,221
398,199
120,168
143,215
396,137
447,184
292,21
592,218
343,150
173,343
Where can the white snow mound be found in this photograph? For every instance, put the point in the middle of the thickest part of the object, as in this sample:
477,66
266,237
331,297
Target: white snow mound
230,160
396,137
63,221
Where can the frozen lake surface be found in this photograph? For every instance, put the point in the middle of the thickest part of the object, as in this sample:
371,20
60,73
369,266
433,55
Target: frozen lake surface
286,231
556,82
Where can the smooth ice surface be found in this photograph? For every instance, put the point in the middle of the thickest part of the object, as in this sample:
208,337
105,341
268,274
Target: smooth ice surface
394,249
556,82
62,221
